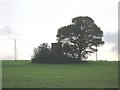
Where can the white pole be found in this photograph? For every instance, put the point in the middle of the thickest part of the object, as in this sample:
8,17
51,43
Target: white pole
17,54
15,49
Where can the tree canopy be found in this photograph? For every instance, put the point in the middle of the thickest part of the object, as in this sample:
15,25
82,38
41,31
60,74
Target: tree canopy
80,38
75,43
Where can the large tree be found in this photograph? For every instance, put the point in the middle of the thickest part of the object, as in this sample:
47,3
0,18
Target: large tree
80,38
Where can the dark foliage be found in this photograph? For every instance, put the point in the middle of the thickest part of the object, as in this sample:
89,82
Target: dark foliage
80,38
41,53
75,43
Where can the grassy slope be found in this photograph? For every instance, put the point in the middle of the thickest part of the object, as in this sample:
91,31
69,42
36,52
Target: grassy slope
23,74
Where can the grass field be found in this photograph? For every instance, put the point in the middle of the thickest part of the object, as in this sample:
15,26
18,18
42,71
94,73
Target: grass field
24,74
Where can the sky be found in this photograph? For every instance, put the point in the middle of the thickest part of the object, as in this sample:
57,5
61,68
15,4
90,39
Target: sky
33,22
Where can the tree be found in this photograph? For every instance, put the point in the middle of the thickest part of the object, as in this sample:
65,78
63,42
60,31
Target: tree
41,53
80,38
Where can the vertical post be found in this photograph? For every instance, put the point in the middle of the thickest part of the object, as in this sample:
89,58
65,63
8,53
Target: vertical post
15,49
16,54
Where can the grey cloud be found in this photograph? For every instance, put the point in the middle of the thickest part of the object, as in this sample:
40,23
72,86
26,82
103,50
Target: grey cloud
6,31
115,48
112,38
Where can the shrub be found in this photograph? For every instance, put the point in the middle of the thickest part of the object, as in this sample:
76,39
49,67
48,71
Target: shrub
41,54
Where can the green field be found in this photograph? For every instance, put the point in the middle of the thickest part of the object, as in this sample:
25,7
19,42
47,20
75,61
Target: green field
24,74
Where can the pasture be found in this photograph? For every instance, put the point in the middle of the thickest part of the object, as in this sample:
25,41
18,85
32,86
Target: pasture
94,74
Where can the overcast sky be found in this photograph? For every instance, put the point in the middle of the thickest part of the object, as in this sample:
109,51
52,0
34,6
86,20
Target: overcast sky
33,22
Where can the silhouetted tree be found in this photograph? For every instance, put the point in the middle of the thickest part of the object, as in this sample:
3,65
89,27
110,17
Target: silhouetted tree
41,54
80,38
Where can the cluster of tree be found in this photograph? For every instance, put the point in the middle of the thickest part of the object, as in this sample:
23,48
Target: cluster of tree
44,54
79,40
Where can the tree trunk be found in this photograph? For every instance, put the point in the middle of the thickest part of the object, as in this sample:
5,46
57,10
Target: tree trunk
79,57
79,54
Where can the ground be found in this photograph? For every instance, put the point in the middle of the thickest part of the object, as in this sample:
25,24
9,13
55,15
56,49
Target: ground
94,74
